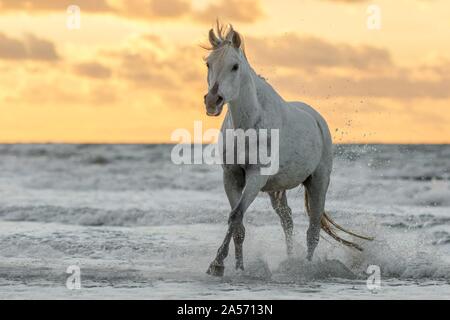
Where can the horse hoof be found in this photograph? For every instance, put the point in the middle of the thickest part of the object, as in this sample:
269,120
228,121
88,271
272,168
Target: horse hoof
215,270
240,266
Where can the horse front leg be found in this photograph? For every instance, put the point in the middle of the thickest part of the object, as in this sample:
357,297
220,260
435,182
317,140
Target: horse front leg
253,184
234,182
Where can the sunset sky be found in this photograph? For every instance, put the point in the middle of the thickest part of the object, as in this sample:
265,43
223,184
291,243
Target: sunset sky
134,71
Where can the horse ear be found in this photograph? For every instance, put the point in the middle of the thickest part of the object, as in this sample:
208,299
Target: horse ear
215,42
236,40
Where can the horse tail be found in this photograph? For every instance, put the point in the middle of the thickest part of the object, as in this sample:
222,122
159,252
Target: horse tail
329,226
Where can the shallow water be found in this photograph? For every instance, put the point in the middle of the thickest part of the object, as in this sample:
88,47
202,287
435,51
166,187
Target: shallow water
139,226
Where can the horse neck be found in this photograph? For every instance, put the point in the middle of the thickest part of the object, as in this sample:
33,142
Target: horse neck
246,109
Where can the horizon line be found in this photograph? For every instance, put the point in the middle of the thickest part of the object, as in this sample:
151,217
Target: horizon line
175,143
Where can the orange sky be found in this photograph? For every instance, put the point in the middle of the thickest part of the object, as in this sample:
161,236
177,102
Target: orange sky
134,71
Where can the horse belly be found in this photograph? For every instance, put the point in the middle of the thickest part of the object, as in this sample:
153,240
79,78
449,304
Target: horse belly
297,162
278,183
287,178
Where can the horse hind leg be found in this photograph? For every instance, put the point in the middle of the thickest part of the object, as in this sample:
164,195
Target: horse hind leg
316,187
315,192
280,205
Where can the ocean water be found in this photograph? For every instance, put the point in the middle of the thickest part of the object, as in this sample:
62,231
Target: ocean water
139,226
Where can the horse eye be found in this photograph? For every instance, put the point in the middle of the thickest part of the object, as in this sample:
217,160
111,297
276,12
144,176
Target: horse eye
207,65
235,67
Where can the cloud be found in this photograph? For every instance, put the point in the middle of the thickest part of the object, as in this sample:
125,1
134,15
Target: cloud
398,84
245,11
173,8
303,66
172,74
315,67
232,10
52,5
93,70
348,1
293,51
143,70
151,9
175,74
31,47
11,48
40,49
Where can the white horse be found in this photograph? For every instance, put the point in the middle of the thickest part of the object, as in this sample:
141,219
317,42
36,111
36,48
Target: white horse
305,148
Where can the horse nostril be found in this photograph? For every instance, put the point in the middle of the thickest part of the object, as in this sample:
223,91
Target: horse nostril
219,100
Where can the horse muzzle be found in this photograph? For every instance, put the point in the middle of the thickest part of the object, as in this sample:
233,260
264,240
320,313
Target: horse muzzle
214,104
